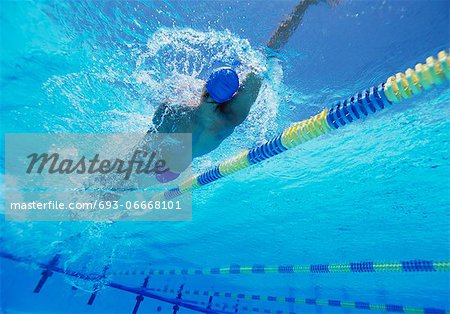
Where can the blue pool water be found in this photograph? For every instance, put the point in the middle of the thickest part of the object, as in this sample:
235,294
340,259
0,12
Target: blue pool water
377,190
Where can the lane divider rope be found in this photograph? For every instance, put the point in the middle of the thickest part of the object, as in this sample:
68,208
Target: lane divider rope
354,267
407,266
395,89
52,267
309,301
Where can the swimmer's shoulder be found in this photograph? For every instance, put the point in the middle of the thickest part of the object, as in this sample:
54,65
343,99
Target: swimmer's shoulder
237,109
171,118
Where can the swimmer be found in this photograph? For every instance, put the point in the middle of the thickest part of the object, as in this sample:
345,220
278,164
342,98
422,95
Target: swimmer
225,101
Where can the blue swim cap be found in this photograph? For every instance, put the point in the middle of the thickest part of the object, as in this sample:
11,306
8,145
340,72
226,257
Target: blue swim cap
222,84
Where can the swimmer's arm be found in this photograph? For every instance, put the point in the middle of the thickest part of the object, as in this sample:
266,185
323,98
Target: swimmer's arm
170,118
236,110
160,124
287,27
166,118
